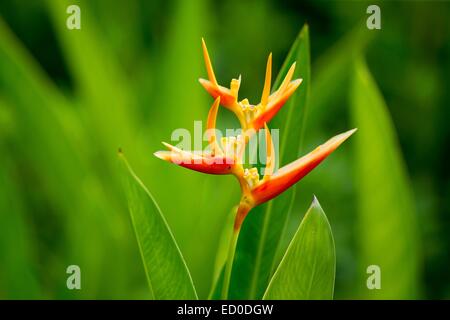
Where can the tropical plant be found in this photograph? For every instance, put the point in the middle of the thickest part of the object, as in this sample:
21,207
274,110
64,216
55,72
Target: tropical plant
307,269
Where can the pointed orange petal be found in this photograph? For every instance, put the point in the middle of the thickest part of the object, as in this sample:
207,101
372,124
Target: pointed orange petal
211,128
208,64
177,155
211,165
267,82
275,105
226,97
293,172
286,81
270,155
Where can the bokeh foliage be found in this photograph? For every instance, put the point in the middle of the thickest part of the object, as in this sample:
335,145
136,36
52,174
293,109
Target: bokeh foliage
70,99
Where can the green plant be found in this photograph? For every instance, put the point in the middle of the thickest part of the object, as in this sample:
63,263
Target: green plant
69,98
312,249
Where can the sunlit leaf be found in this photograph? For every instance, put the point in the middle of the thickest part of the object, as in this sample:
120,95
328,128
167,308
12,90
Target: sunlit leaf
167,274
307,270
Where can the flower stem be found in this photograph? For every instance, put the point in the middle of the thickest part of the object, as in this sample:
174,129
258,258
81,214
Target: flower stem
229,265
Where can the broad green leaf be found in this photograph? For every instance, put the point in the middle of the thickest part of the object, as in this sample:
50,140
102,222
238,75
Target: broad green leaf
308,268
262,230
387,226
167,274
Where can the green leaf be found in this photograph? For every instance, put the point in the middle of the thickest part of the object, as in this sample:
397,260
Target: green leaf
308,268
261,233
167,274
222,254
387,226
17,266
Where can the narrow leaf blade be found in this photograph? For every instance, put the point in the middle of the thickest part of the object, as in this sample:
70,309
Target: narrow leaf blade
307,270
166,270
387,222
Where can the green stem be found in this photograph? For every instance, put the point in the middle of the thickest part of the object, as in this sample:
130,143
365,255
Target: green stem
229,265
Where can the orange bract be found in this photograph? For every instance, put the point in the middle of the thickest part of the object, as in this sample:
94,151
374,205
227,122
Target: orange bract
221,161
251,116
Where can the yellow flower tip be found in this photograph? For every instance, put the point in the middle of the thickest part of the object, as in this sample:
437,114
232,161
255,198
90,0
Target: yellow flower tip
290,89
270,151
286,82
296,83
291,70
163,155
267,81
350,132
245,102
276,101
289,76
208,64
169,146
336,141
234,87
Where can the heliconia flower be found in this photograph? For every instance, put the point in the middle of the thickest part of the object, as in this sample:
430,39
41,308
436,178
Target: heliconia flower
272,184
224,156
216,161
250,116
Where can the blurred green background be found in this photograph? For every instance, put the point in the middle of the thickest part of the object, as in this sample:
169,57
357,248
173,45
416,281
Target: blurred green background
69,99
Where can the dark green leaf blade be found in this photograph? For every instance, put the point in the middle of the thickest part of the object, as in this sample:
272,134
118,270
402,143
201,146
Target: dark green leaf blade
307,270
166,270
261,233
